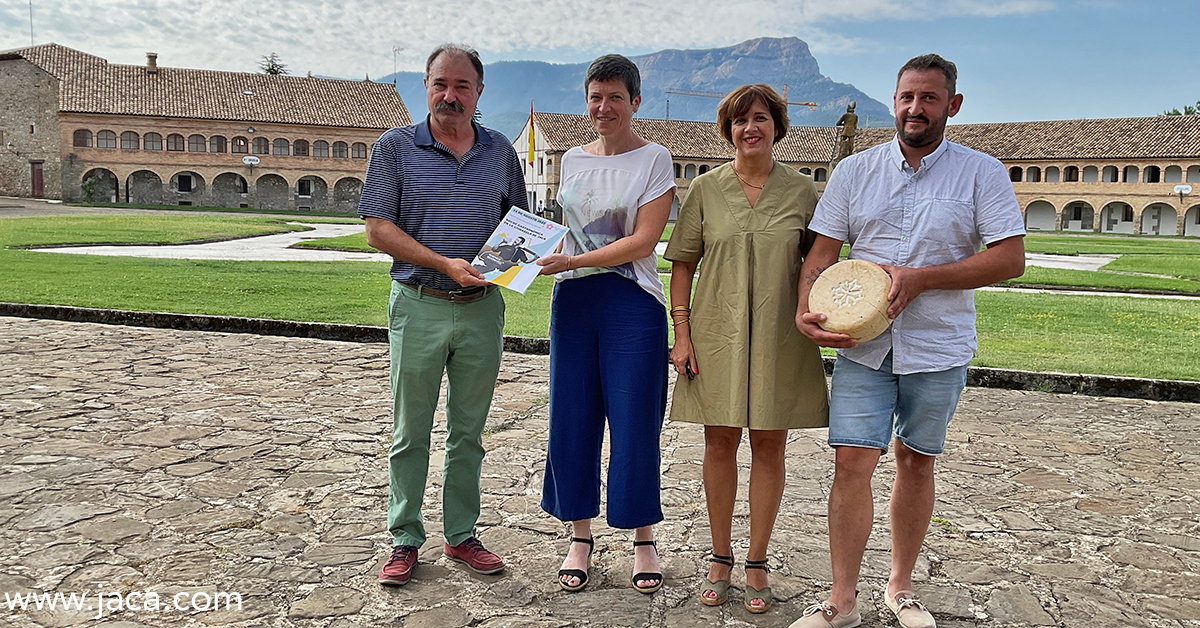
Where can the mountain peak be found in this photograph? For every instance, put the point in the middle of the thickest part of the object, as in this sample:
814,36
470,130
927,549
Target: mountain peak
773,46
775,61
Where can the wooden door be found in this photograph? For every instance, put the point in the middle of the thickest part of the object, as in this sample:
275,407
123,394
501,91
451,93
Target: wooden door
39,188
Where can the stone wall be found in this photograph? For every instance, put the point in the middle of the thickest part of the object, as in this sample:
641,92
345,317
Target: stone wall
317,197
346,193
29,123
271,192
227,191
145,188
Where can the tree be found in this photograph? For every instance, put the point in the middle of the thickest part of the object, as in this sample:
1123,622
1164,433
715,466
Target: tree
1188,110
272,64
89,187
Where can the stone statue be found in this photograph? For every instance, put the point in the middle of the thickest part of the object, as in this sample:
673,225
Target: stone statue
845,142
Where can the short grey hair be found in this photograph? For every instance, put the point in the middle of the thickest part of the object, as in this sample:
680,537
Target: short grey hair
933,61
614,67
456,49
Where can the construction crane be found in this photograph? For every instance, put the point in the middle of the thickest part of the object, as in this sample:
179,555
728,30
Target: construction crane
706,94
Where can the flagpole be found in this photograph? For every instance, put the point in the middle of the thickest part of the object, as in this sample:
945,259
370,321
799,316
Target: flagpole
531,144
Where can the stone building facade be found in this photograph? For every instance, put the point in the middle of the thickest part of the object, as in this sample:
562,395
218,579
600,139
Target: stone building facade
1107,176
30,149
157,135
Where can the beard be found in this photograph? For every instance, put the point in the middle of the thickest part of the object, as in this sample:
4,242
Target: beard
934,129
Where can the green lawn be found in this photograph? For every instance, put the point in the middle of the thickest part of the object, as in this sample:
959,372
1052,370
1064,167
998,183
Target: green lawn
135,229
1186,266
529,314
1097,244
337,292
666,235
1089,334
1100,279
344,292
1109,335
355,242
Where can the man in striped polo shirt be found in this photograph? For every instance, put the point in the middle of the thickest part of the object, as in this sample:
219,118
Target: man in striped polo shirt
434,192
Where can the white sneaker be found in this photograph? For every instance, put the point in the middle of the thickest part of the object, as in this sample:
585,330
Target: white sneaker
909,612
826,615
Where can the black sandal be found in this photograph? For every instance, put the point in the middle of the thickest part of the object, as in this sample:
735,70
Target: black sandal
647,575
577,573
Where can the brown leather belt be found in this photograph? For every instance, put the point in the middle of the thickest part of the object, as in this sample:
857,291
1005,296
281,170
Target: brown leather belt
463,295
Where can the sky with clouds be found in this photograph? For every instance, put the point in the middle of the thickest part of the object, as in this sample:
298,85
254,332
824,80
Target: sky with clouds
1018,59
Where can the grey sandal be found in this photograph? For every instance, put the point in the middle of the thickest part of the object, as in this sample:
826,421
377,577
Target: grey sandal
763,594
720,588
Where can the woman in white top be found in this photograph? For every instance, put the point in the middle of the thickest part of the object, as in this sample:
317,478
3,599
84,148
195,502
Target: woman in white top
608,328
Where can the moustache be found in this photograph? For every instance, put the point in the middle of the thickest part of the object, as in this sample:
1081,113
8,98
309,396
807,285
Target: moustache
448,106
916,118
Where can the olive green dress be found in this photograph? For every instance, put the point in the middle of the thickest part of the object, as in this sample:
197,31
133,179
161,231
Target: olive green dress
756,369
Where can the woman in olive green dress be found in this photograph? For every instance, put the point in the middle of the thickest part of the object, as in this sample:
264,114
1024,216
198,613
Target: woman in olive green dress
741,360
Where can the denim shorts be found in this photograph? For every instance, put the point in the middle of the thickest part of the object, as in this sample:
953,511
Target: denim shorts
867,406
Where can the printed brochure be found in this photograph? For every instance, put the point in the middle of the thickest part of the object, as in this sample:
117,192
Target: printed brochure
507,258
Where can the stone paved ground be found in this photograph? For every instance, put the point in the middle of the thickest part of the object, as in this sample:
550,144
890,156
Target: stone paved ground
152,460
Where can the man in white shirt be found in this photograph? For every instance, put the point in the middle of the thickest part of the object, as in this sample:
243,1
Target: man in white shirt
922,207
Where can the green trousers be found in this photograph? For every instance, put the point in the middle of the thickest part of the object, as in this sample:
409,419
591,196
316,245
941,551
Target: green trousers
429,336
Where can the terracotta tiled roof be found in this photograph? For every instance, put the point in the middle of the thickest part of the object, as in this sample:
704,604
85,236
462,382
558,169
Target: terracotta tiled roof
687,139
807,144
563,131
1159,137
1114,138
89,84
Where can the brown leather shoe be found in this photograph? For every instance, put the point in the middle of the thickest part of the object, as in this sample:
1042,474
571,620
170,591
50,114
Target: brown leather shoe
473,554
398,569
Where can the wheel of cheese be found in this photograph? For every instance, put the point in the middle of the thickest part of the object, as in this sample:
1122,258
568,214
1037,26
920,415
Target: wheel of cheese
852,294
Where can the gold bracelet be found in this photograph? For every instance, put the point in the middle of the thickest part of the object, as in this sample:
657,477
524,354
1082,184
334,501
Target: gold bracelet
678,323
680,308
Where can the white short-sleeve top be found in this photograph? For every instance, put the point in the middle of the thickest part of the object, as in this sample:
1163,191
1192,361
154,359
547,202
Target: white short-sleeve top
959,200
600,196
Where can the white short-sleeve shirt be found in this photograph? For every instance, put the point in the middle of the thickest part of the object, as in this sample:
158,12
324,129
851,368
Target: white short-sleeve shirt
959,200
600,196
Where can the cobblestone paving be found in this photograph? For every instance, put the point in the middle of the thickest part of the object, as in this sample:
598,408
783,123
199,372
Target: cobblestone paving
141,460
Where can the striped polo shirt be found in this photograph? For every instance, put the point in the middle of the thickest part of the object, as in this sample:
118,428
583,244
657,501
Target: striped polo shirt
449,205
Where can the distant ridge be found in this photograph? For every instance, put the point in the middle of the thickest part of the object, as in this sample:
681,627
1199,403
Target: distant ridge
510,85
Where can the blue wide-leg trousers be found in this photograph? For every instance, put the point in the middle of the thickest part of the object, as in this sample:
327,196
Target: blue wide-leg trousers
608,360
